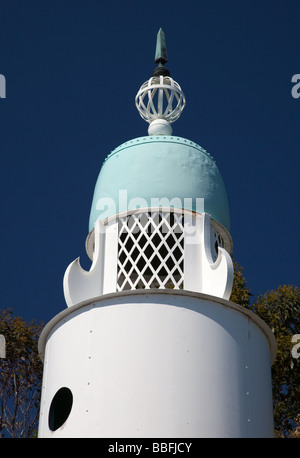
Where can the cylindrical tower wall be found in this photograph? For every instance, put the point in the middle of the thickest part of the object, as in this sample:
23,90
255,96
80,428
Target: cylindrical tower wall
156,364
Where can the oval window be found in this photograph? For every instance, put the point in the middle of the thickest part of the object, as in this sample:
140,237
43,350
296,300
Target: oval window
60,408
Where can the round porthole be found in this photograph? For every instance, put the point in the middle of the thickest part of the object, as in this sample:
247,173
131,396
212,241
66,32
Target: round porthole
60,408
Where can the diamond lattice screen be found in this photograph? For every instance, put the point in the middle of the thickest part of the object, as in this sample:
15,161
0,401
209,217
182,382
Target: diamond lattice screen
150,251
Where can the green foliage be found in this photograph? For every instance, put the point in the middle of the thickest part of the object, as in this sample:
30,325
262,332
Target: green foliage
280,309
20,376
240,292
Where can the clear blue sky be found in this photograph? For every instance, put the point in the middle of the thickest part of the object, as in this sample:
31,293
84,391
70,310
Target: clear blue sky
73,68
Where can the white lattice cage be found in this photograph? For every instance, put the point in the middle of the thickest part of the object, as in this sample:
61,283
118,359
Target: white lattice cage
160,98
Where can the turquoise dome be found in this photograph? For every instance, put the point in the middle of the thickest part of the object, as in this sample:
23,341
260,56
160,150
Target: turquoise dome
149,168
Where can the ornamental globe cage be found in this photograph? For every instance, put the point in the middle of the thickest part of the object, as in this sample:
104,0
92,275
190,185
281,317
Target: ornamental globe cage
160,98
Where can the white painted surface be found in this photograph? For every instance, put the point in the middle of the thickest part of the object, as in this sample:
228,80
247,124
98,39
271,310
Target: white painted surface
166,364
202,272
160,97
160,127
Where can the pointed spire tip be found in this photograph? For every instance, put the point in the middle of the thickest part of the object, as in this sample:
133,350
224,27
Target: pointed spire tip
161,55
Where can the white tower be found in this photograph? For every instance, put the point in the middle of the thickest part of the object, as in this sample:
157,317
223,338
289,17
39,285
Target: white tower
149,344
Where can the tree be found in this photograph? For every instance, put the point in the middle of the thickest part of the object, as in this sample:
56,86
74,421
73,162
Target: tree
240,293
280,309
20,376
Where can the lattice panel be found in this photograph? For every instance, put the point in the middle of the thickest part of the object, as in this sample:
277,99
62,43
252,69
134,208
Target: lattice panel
150,251
160,98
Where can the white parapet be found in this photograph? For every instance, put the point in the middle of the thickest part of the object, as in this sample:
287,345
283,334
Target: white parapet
158,363
154,247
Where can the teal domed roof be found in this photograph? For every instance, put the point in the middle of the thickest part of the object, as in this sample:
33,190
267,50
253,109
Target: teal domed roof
151,169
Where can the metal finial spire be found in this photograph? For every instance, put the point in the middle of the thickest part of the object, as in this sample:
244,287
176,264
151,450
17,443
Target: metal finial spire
161,56
160,100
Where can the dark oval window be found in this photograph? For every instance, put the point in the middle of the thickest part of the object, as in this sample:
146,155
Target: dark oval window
60,408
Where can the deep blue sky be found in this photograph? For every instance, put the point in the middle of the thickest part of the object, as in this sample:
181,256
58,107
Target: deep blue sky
73,68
